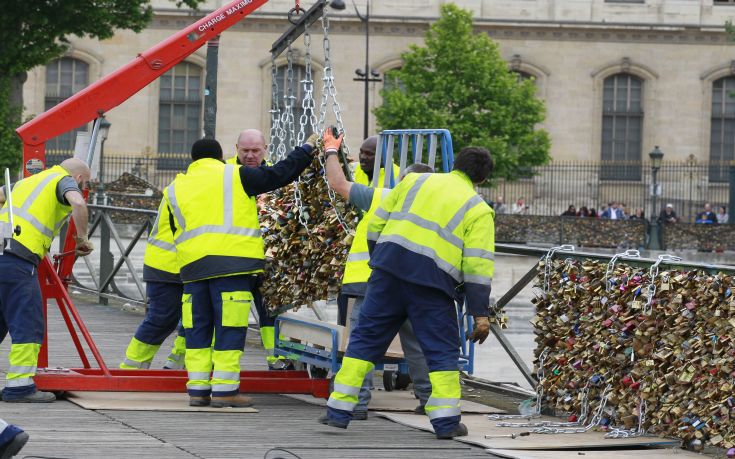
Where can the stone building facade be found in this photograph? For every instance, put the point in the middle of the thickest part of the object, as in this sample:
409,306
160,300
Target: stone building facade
618,76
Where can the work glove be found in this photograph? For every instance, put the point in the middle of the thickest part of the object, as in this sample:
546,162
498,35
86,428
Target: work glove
330,141
83,246
312,140
480,331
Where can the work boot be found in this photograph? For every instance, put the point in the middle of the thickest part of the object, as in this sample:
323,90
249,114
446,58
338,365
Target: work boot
36,397
199,401
14,446
324,419
419,410
232,401
281,365
359,415
459,431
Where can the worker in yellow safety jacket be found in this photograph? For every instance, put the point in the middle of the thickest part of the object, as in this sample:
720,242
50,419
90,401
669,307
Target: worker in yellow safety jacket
214,219
251,150
430,236
164,291
41,205
357,272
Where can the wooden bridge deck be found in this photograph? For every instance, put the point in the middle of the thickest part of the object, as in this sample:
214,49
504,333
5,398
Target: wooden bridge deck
64,430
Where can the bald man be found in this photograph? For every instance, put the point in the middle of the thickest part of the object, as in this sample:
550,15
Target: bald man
251,151
41,205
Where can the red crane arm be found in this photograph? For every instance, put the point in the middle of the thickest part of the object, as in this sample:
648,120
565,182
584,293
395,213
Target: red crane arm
115,88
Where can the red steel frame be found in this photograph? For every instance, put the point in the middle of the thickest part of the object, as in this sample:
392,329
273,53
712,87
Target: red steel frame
85,106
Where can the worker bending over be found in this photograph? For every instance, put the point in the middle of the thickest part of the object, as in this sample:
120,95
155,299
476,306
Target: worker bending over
220,251
251,150
430,235
357,272
164,291
41,205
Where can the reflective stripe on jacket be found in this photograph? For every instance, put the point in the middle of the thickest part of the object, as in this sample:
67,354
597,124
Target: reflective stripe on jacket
160,263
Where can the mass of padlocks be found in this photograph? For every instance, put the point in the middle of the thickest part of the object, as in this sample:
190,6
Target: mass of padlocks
307,234
644,349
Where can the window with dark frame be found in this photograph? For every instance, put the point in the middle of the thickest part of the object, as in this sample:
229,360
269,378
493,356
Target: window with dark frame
299,73
722,130
622,127
179,114
64,78
625,1
724,2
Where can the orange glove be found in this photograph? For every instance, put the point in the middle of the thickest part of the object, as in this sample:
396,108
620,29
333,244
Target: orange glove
330,142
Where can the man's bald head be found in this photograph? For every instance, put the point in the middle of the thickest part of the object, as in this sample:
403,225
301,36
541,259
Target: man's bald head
78,170
367,154
251,147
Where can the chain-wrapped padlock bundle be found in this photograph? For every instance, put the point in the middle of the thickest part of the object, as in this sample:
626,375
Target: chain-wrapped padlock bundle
304,261
662,341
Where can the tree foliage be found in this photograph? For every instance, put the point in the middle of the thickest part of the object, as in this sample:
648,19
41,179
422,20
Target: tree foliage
35,32
459,81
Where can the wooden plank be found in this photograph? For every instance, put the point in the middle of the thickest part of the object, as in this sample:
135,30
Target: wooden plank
144,401
658,453
400,401
479,426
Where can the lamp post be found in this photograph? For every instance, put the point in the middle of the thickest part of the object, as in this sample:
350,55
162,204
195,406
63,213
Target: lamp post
104,132
366,75
657,157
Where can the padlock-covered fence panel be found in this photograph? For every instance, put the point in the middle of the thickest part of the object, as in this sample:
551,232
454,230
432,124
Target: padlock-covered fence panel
708,238
649,349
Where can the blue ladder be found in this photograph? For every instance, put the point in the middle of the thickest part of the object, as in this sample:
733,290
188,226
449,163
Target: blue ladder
423,143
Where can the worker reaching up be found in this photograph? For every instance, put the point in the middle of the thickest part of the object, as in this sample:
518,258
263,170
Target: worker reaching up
357,272
41,205
214,218
251,150
432,234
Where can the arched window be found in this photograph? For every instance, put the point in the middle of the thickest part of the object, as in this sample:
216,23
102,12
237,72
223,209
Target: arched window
294,81
523,76
64,78
722,132
179,114
622,127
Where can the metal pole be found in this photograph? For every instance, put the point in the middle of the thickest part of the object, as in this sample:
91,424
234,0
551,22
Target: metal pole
731,205
367,71
102,173
654,242
210,93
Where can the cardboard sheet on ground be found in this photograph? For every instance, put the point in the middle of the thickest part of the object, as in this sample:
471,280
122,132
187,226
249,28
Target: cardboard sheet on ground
659,453
480,425
401,401
143,401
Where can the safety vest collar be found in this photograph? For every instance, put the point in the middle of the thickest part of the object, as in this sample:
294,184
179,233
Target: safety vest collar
465,178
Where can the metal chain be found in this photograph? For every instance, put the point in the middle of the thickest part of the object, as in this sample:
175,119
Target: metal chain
611,265
596,419
652,275
539,394
583,412
275,112
631,433
308,116
287,118
548,258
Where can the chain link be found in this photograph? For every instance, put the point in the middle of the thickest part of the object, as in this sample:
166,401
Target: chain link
540,375
275,112
287,117
595,421
652,275
611,265
631,433
548,258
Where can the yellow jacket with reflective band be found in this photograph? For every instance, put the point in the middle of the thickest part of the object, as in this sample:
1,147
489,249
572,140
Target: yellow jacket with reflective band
37,210
160,263
359,176
435,230
357,271
216,223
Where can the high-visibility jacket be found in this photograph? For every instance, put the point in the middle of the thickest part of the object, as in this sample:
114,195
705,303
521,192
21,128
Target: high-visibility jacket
232,161
435,230
216,223
359,176
37,210
357,271
159,262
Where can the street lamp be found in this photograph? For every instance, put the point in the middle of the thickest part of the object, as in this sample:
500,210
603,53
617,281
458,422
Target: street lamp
365,75
657,157
104,132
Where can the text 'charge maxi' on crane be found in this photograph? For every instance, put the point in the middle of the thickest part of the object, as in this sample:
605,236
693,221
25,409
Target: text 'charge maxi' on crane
221,17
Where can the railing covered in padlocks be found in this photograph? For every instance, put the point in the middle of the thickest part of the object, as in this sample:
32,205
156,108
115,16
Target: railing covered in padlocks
647,345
